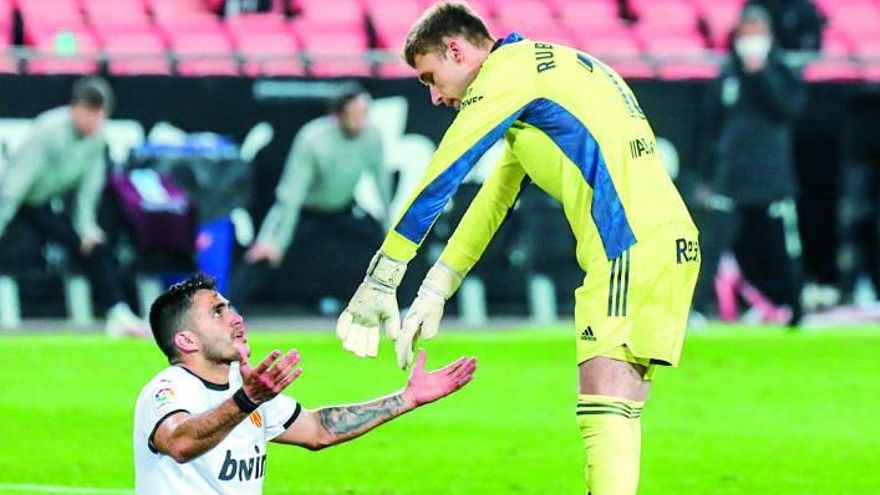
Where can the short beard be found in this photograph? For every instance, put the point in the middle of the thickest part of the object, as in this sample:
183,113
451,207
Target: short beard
215,354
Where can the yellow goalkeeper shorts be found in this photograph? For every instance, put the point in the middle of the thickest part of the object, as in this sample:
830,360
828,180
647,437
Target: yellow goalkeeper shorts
635,308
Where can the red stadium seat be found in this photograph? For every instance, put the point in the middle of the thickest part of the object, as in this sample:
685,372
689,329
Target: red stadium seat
208,67
397,69
871,73
79,39
339,54
268,53
6,11
393,17
832,70
136,53
674,48
721,19
836,43
99,8
634,70
392,40
550,33
611,48
521,14
63,65
172,8
591,15
113,21
332,15
40,17
308,34
8,64
484,8
256,23
867,49
667,16
190,23
688,71
854,16
141,67
203,53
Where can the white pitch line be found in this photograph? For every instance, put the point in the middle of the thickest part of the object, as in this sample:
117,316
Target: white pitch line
71,490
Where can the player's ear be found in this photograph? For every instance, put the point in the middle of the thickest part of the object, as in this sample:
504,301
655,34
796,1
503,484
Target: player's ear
455,49
186,342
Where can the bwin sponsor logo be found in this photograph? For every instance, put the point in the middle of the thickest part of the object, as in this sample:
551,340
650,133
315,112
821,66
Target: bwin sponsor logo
244,469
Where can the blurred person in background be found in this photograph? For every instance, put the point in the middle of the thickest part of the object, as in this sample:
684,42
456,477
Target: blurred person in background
748,165
315,195
64,154
797,24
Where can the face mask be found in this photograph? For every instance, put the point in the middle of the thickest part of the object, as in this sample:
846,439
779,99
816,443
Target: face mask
752,46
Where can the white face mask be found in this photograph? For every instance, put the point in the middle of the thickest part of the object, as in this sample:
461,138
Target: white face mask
753,46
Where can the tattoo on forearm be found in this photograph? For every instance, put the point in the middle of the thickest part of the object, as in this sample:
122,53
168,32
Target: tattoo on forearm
345,421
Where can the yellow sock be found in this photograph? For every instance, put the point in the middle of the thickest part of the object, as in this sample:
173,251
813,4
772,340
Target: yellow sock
612,433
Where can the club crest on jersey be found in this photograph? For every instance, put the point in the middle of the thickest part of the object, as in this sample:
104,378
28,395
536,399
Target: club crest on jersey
256,419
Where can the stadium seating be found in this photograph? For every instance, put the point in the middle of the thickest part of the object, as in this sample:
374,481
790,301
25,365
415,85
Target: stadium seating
634,70
340,54
391,20
6,13
612,47
720,19
666,16
832,70
333,37
136,52
332,16
268,53
202,53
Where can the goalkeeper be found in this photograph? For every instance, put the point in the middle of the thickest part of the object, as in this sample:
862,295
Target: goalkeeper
573,127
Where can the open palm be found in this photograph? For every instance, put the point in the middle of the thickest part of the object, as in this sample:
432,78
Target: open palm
427,386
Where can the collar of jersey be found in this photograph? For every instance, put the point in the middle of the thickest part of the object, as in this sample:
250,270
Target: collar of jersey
510,38
206,383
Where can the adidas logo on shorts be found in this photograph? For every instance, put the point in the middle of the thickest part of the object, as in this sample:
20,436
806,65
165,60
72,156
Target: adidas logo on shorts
587,334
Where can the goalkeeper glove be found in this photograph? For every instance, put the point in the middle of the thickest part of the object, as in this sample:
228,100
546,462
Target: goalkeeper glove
423,317
374,304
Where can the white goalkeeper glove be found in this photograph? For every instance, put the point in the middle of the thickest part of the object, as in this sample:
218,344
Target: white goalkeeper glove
374,304
423,317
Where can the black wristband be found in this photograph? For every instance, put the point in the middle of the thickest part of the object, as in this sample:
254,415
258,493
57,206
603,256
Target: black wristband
244,403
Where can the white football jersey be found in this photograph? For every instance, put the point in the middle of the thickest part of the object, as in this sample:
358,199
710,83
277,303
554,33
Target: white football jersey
237,465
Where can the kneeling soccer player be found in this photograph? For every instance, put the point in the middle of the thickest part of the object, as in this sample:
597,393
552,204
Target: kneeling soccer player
201,425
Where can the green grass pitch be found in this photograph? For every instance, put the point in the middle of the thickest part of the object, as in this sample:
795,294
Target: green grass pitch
749,412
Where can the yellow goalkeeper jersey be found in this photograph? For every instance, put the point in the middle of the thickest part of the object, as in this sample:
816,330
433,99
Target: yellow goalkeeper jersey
572,126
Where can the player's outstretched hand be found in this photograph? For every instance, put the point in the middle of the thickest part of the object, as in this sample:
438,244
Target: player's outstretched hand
274,373
427,386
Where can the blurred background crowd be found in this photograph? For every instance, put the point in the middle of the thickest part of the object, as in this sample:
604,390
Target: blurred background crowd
271,142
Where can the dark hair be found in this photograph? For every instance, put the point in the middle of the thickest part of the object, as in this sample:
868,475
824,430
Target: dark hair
168,309
349,91
755,13
440,20
93,92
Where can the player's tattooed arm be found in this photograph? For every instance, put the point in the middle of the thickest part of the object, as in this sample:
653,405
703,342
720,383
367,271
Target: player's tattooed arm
347,422
320,428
